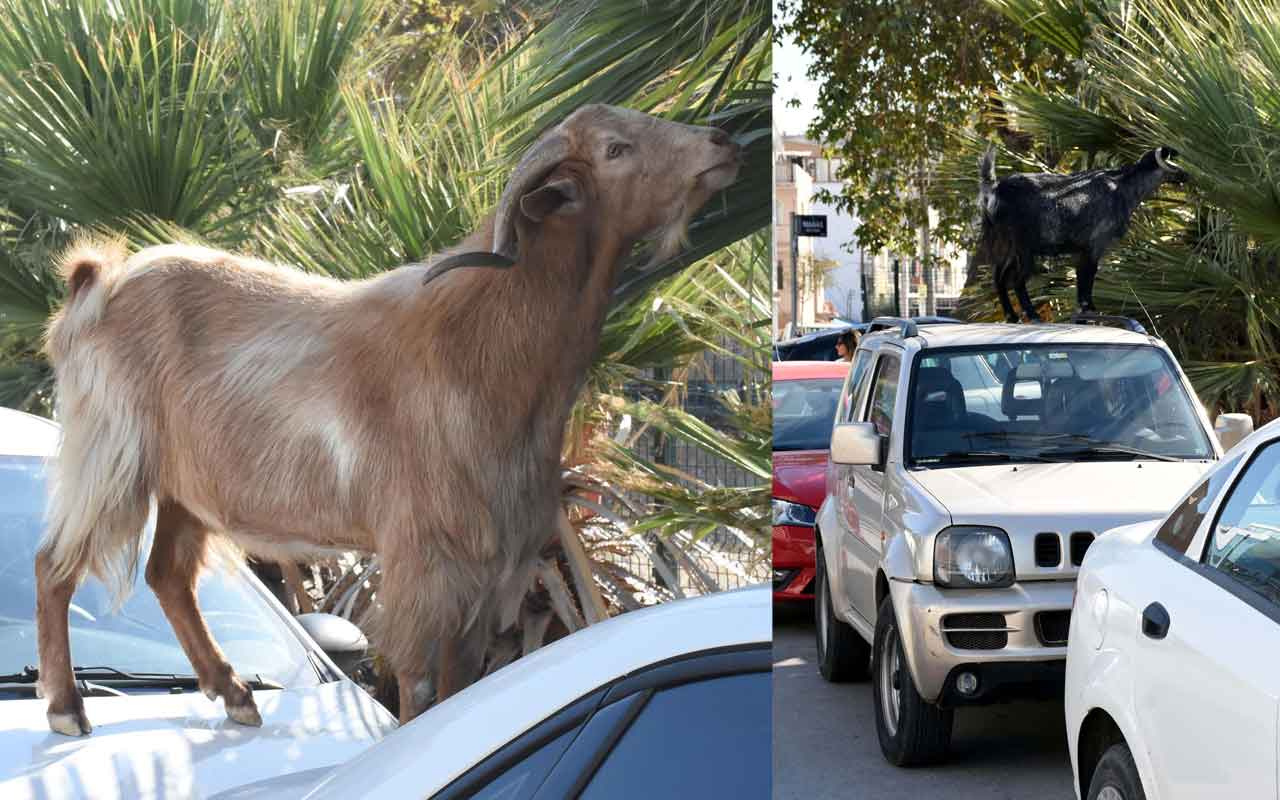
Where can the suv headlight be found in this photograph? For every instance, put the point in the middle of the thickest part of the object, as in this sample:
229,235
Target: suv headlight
788,513
971,556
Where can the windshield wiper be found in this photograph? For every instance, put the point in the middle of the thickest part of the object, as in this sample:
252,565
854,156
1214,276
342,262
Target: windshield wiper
980,456
109,678
1092,447
1109,450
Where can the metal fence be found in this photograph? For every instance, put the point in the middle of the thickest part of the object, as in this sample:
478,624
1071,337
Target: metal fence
724,559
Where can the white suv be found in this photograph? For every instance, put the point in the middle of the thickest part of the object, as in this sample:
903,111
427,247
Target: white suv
971,467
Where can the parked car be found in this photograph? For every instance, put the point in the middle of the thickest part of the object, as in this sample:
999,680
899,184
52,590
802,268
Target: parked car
821,345
670,701
1172,681
953,526
804,403
154,733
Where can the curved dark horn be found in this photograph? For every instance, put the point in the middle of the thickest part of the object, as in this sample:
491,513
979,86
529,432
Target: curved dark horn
545,154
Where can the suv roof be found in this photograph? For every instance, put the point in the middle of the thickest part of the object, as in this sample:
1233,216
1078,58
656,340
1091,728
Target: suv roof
979,333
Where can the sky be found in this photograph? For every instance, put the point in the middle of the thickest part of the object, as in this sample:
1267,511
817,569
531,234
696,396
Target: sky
789,66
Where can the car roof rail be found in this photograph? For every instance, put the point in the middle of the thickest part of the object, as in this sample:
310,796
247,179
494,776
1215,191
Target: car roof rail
906,328
1127,323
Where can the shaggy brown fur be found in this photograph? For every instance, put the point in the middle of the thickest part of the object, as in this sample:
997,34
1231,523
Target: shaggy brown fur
287,413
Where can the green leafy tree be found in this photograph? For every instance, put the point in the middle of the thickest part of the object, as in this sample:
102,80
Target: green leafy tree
903,86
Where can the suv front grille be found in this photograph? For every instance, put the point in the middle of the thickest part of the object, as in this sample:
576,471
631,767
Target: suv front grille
1052,627
1048,550
984,631
1080,541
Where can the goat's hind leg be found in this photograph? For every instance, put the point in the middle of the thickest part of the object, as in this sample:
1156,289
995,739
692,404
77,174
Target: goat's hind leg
1001,272
65,710
177,555
1026,266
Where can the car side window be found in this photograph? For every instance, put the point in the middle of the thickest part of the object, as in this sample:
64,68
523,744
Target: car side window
1181,526
1244,542
522,779
701,739
857,377
885,393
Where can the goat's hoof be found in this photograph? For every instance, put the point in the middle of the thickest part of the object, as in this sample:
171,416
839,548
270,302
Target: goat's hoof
1012,320
245,715
72,722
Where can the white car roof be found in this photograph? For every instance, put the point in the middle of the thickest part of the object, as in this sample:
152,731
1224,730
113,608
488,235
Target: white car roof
986,333
432,751
26,434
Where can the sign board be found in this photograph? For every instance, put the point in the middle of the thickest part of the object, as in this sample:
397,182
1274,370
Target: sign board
811,224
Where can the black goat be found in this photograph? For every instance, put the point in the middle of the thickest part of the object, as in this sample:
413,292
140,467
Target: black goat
1028,215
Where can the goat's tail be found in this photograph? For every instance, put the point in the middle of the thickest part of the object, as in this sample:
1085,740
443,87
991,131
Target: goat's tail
100,502
91,269
987,181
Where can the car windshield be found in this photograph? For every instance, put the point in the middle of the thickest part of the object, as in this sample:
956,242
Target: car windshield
803,411
137,637
1051,403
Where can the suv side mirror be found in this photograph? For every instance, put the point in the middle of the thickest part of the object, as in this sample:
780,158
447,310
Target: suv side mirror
1232,428
858,444
338,638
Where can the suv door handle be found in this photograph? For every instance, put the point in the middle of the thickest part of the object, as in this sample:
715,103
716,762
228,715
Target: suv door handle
1155,621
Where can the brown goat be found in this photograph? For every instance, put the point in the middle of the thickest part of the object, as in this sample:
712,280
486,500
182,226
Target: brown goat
286,413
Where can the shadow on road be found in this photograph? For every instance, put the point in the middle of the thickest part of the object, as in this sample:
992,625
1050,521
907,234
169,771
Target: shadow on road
825,739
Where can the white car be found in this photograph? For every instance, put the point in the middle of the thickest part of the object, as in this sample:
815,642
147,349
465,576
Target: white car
155,735
1173,666
670,701
971,468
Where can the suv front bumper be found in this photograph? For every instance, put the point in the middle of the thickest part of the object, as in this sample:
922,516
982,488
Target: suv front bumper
1024,657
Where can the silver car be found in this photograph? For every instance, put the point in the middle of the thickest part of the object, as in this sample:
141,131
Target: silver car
971,467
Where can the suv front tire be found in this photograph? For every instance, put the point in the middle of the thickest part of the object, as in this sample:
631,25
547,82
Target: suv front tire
912,731
843,655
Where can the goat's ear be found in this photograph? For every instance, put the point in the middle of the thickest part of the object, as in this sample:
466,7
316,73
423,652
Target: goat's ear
560,195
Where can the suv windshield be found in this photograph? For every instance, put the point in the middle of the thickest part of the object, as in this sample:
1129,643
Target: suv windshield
136,638
1051,403
803,412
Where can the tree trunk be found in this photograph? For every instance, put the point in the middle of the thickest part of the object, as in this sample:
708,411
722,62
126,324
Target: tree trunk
926,250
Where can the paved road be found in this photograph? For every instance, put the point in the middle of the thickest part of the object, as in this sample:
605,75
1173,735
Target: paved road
824,740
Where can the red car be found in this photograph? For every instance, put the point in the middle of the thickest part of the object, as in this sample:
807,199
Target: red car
804,405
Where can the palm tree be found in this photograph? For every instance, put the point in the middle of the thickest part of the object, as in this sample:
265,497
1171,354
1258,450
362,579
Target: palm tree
1199,265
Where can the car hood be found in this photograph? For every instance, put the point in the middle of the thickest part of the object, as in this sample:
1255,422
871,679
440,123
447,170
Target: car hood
163,746
800,475
1029,499
1135,489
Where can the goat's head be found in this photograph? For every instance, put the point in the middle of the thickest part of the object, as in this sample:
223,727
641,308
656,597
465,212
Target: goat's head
1162,158
646,176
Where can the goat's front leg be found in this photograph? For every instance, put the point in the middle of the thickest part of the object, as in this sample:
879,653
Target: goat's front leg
57,681
414,692
1086,271
177,554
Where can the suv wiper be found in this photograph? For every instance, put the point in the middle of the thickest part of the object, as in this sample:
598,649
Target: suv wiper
980,456
99,678
1108,450
1092,447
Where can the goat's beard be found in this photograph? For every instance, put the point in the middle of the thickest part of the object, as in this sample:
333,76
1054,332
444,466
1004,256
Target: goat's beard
671,238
